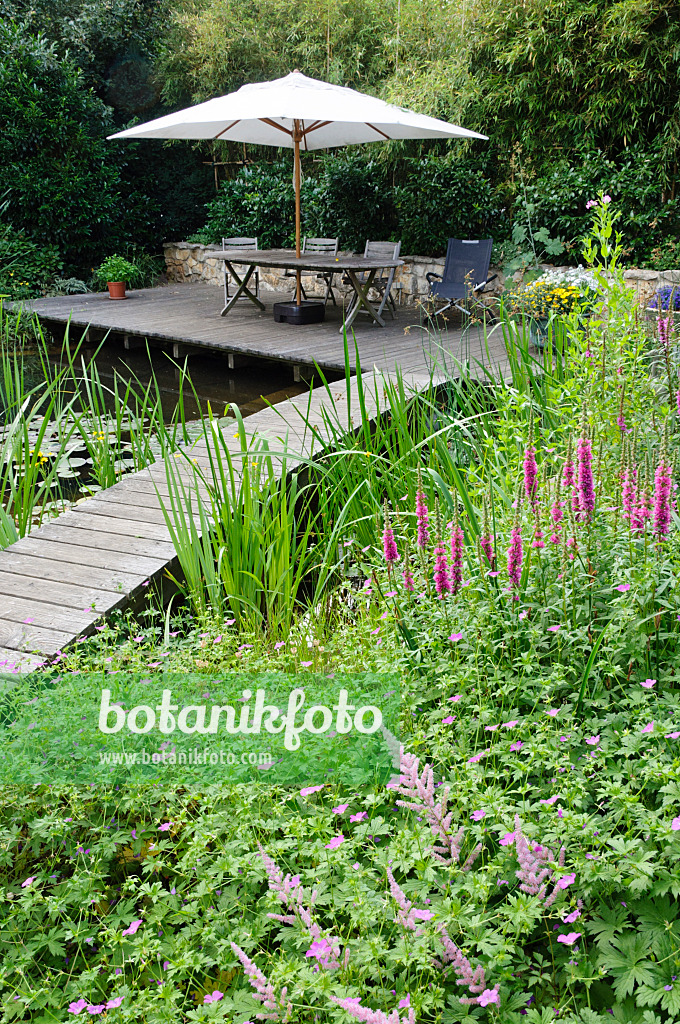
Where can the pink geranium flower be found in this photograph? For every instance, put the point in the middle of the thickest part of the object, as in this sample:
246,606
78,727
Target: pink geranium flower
623,587
335,842
448,720
214,997
649,727
648,684
489,995
569,939
517,745
508,839
593,741
675,824
551,800
478,815
340,809
552,712
359,816
456,636
310,789
133,927
77,1007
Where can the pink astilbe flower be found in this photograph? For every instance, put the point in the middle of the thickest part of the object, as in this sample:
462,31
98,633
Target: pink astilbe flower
534,874
472,978
515,554
586,489
422,517
277,1006
291,894
353,1006
457,540
420,793
663,483
407,914
389,544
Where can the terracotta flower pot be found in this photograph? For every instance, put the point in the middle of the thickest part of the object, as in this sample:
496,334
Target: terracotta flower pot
116,289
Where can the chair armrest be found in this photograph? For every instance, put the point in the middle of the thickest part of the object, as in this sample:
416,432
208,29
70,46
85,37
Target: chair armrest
482,286
429,277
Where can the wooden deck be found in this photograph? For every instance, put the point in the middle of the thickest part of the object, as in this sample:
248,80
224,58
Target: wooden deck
59,582
187,316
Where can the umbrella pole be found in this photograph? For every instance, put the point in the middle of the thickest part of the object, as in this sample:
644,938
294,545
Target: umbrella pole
297,135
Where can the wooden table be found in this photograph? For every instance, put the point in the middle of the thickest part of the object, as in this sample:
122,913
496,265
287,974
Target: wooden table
285,259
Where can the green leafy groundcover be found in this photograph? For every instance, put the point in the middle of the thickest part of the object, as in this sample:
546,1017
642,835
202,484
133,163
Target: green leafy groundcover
129,899
122,727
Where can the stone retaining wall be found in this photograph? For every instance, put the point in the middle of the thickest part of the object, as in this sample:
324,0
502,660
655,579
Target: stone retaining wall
187,262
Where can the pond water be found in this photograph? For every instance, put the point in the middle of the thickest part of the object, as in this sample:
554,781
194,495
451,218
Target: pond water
249,387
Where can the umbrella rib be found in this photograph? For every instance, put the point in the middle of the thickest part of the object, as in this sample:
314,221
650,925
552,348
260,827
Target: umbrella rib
229,126
369,125
273,124
314,125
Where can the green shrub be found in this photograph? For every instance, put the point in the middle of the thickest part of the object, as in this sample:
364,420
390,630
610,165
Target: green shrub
353,201
556,201
27,269
444,198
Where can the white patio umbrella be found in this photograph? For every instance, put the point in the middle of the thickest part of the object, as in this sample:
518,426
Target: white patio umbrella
294,112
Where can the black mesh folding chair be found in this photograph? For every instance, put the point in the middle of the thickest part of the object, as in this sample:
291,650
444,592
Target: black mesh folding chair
249,245
320,245
466,273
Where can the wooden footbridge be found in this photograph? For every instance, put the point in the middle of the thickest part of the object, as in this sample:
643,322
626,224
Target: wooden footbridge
59,582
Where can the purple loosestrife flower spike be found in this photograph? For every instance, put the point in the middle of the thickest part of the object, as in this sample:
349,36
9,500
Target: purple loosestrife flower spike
628,494
471,977
353,1006
665,326
422,516
486,540
457,541
677,402
389,544
409,585
586,490
663,483
442,583
515,551
278,1008
530,467
568,469
419,790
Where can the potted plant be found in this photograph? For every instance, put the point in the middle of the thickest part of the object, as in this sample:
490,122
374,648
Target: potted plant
116,272
541,301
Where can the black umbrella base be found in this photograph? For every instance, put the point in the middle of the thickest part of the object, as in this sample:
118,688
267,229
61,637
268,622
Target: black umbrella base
308,312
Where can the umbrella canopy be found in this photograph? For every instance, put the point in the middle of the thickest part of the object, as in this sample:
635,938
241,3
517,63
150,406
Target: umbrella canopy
296,112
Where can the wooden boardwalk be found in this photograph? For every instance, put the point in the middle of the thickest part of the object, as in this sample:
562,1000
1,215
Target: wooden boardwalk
59,582
185,317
